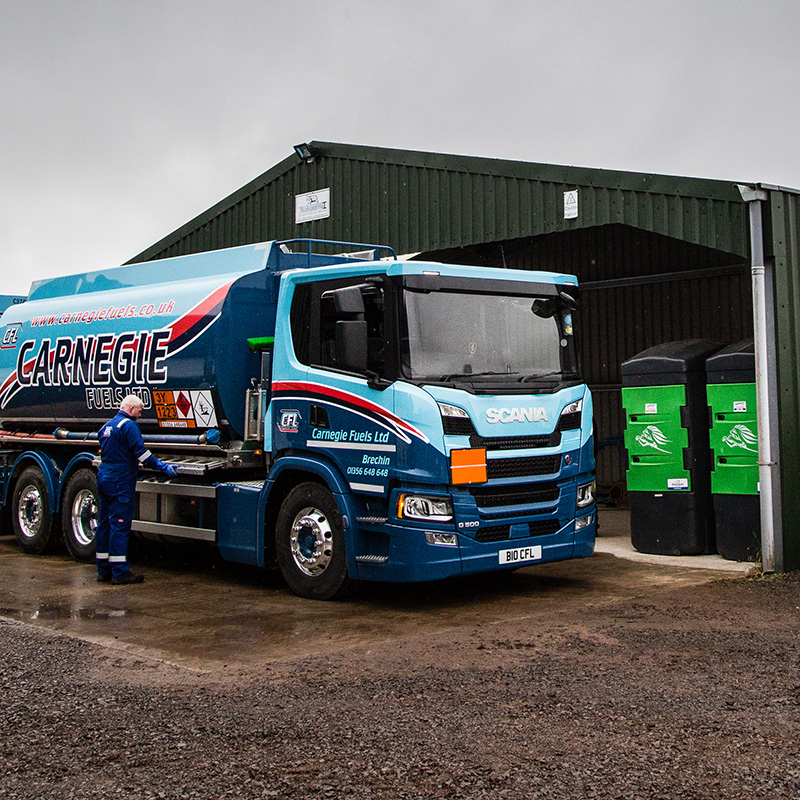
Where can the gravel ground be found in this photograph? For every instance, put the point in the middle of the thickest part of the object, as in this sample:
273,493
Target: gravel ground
689,693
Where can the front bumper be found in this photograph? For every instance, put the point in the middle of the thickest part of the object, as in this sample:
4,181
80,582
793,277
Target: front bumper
410,557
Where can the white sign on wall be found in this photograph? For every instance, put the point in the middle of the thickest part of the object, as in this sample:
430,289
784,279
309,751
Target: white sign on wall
312,205
571,204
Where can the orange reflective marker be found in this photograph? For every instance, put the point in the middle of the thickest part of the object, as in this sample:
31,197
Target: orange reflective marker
468,466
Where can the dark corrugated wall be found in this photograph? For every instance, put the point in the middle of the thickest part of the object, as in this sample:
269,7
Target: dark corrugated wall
717,307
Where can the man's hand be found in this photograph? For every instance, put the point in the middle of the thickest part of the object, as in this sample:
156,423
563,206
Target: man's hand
167,469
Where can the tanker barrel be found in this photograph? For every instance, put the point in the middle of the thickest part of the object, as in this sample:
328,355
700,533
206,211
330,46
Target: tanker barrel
209,437
173,332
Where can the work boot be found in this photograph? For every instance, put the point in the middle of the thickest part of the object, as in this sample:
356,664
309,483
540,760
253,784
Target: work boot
126,579
104,578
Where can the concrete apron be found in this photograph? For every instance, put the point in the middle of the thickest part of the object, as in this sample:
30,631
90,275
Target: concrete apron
615,539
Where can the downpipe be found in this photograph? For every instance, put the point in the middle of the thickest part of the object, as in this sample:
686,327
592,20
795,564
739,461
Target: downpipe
771,554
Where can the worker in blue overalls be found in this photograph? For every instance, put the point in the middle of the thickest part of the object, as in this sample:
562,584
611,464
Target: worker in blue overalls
122,450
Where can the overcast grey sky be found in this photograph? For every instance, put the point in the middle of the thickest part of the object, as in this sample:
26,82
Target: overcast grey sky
121,120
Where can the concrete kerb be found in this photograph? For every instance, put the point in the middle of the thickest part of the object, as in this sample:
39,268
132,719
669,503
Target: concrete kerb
614,538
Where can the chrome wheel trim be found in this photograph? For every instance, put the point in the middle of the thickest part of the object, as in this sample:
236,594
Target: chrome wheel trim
311,541
84,517
29,512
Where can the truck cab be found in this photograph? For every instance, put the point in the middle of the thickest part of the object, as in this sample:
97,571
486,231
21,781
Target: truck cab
446,400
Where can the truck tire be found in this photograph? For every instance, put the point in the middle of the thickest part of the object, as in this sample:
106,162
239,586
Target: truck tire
309,543
33,523
79,515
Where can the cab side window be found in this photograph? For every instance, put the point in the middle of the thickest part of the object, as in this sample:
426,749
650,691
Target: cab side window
374,317
300,322
313,319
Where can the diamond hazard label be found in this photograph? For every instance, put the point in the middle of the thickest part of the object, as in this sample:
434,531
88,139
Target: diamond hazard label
183,404
203,406
185,409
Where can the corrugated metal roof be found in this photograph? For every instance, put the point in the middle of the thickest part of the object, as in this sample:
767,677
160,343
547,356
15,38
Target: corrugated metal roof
418,201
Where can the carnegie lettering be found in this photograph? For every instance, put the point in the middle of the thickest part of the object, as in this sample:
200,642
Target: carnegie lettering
94,360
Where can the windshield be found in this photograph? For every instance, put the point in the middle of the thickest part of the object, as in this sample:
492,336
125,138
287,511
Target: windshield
453,334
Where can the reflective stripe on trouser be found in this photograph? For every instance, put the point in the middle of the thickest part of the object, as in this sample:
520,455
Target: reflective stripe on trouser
115,512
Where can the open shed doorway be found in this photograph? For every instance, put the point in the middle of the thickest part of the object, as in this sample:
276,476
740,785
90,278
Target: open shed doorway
638,289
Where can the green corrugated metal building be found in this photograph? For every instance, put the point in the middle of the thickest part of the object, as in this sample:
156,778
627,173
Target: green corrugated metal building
659,258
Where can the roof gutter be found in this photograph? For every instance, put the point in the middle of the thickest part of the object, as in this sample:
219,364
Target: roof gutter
766,391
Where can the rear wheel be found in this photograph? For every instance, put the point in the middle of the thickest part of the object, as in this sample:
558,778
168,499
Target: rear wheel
34,525
309,543
79,515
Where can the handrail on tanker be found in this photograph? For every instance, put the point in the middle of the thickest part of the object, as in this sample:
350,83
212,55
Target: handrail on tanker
310,242
211,436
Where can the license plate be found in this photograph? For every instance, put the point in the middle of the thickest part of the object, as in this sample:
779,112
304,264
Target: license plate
520,555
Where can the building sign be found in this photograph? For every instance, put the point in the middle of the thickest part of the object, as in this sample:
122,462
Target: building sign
313,205
571,204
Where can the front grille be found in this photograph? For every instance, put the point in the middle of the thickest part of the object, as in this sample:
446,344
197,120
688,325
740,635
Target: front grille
526,494
497,533
516,442
491,515
462,426
521,467
500,533
544,527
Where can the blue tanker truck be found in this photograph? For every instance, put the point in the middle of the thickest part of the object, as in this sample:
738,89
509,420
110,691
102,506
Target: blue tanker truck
346,417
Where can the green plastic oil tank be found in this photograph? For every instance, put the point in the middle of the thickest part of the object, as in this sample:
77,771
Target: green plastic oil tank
731,375
669,458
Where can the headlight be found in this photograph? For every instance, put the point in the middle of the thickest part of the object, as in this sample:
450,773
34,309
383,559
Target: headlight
585,495
447,410
573,408
422,507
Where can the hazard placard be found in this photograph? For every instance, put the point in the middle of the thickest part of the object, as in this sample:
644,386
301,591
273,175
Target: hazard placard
183,408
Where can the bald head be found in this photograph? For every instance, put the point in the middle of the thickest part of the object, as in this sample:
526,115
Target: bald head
132,405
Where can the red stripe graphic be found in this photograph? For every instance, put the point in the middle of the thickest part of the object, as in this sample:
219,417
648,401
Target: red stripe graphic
317,388
8,381
202,309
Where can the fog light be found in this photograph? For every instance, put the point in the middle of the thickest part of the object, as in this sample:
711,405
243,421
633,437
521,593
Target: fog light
449,539
583,522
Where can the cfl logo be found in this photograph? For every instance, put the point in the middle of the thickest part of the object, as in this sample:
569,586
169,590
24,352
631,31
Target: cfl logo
289,421
10,337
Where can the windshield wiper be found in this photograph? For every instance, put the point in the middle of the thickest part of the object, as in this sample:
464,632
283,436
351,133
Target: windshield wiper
527,378
452,375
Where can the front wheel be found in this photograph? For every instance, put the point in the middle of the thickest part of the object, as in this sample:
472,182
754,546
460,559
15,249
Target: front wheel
34,524
309,543
79,515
